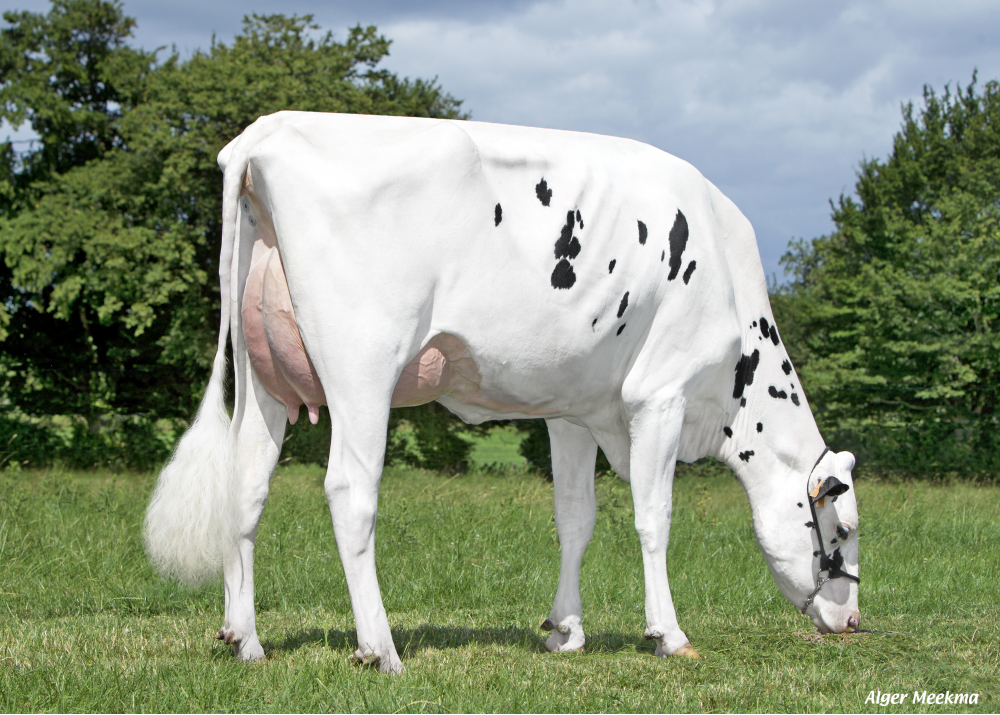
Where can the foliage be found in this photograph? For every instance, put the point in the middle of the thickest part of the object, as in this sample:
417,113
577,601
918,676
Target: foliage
894,318
110,229
468,568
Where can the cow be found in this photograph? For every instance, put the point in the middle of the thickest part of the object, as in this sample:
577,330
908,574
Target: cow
597,283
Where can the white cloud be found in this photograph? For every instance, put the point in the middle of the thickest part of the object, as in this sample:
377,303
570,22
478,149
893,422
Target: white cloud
776,101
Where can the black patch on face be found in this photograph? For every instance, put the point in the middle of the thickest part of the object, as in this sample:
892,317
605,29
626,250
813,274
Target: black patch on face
745,456
743,402
760,426
620,329
563,276
688,272
678,241
776,393
567,246
795,399
623,305
728,431
786,367
497,215
611,266
774,334
579,218
543,192
763,328
642,233
744,372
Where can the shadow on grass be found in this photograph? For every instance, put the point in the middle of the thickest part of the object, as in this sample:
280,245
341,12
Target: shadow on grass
411,640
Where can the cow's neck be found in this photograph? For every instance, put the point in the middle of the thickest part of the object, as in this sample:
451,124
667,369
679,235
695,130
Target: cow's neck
784,450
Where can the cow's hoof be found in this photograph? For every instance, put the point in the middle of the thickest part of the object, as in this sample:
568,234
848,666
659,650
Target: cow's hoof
249,651
567,636
390,665
687,651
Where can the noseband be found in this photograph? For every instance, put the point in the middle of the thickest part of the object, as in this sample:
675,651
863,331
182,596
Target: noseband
832,564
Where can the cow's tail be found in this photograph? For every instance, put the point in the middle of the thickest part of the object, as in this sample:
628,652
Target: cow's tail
192,519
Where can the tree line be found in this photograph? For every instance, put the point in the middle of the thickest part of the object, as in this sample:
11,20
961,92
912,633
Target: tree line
110,229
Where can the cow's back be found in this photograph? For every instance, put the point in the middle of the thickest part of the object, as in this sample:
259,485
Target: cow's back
558,258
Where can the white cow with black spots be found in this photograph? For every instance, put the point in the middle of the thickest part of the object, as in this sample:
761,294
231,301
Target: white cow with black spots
507,272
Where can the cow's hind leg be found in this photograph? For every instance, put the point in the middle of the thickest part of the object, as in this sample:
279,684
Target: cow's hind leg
260,428
574,453
655,429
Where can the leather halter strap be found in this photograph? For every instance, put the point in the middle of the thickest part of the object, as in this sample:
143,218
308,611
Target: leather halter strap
832,564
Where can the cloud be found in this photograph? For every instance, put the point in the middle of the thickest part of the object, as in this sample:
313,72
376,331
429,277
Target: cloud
775,101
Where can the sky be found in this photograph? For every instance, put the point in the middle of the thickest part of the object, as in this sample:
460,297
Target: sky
775,101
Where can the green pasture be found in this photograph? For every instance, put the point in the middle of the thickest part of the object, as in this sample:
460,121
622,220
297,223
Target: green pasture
468,566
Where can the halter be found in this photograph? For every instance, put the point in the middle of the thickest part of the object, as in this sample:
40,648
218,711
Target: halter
833,487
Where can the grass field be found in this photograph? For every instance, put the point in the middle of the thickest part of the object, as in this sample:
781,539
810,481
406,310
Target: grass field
468,567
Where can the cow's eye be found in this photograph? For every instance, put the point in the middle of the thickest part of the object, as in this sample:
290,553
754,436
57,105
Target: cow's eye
842,531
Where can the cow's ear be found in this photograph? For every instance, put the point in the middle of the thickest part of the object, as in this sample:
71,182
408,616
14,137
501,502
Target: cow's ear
829,487
845,460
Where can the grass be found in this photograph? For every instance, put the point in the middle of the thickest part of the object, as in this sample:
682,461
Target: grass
468,567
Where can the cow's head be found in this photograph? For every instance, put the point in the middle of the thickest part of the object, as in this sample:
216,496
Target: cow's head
819,578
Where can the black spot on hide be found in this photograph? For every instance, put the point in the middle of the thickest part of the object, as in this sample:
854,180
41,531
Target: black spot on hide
563,275
567,246
760,426
811,524
743,402
611,266
642,233
786,367
800,505
795,399
763,328
620,329
678,241
663,254
543,192
728,431
777,394
497,215
594,323
745,456
623,305
744,372
774,334
579,218
754,324
687,273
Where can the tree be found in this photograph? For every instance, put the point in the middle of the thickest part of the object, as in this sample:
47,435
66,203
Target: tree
110,230
895,315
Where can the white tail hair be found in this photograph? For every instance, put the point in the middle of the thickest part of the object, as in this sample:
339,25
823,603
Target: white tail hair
192,522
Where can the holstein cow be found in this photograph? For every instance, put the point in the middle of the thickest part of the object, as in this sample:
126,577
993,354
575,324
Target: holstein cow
506,272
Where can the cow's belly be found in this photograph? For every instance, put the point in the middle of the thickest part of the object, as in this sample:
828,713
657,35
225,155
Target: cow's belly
444,367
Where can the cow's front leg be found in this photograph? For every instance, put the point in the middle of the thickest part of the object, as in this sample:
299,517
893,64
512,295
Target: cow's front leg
574,453
655,429
259,433
357,449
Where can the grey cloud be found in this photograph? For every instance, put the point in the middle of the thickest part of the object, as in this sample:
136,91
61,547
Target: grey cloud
776,101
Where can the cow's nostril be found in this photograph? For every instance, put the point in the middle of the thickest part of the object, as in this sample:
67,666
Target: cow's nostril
854,622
